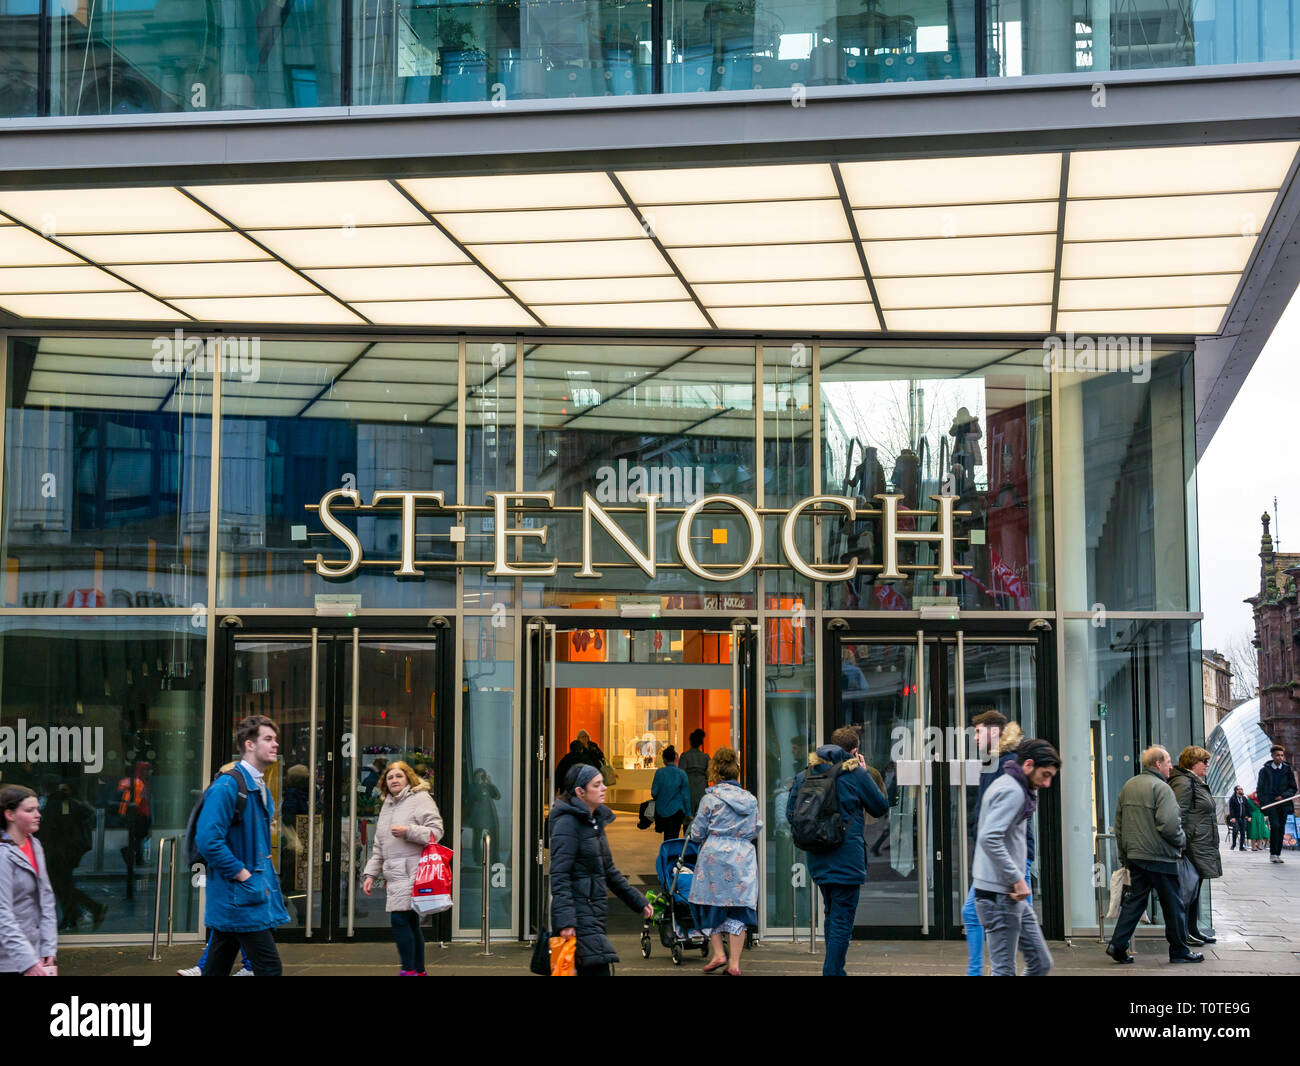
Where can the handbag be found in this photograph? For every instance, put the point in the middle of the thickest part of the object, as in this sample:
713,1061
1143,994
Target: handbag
645,814
563,956
541,960
1118,880
1188,879
431,889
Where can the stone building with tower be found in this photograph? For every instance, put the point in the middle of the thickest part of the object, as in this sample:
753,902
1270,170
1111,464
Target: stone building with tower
1277,636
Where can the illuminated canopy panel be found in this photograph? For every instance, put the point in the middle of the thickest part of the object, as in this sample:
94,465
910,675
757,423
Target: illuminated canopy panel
1147,240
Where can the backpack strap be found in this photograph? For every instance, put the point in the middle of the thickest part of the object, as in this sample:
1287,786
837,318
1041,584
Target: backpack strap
241,797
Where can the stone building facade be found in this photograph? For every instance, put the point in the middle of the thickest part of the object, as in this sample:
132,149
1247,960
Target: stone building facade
1277,636
1216,688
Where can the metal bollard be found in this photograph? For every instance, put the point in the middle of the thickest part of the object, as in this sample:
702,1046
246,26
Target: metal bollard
163,845
812,918
171,890
487,896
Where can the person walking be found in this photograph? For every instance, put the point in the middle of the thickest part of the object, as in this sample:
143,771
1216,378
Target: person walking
670,788
29,921
1258,828
408,820
1150,840
244,902
1196,804
694,762
1276,782
575,756
583,871
1001,846
68,833
725,885
482,817
1238,819
841,871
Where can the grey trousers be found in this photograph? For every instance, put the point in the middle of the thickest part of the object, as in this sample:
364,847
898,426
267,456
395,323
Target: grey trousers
1009,925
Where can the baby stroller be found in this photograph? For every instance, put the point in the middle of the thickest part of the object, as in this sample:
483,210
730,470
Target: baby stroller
675,918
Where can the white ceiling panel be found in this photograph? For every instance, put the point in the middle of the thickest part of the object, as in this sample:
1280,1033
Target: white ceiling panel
200,280
290,310
462,282
697,185
974,320
1207,290
992,179
572,259
107,210
680,315
600,290
515,227
21,247
118,306
215,246
506,192
983,220
1193,321
786,222
362,246
969,291
1122,259
58,279
1189,169
776,262
1139,217
316,204
446,313
798,316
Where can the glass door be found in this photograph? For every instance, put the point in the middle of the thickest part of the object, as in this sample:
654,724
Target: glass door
914,701
348,704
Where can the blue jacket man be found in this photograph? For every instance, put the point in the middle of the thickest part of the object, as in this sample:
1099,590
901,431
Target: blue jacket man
244,903
671,790
841,872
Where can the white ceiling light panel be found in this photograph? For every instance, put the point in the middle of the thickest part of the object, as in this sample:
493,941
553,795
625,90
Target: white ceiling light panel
798,316
58,279
563,224
600,290
782,262
1191,321
107,210
994,179
572,259
115,306
312,204
362,246
509,192
974,320
959,220
767,222
464,282
21,247
697,185
289,310
1146,217
759,293
213,246
962,255
201,280
1208,290
650,315
446,313
1120,259
1170,171
977,290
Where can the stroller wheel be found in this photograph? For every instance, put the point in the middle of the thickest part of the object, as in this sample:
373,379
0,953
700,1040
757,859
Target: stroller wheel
677,954
704,950
749,939
645,945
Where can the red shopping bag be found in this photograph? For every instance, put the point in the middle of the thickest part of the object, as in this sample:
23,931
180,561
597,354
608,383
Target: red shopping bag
431,892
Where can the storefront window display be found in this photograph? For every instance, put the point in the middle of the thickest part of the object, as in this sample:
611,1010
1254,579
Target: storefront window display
104,718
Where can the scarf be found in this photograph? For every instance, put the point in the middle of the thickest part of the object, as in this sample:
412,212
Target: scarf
1017,774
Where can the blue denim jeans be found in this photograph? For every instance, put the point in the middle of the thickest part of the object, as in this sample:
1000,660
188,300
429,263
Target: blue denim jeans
841,904
410,939
975,932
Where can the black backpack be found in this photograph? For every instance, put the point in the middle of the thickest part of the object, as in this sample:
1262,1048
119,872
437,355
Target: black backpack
192,854
816,824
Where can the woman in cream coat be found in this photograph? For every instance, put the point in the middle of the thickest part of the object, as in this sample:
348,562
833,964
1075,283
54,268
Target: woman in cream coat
408,820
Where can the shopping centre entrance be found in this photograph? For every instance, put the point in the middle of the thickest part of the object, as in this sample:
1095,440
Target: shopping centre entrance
912,696
349,697
631,689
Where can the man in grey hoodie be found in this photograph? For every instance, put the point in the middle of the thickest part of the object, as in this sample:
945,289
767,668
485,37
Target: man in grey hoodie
1001,891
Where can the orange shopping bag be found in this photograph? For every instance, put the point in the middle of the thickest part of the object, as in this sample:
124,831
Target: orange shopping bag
562,956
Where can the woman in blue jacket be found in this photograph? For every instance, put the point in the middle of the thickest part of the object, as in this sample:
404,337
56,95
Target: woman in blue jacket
670,788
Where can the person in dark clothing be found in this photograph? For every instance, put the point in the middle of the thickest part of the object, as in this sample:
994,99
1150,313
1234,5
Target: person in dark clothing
68,832
576,756
583,871
671,790
841,872
1276,782
1238,819
1187,779
1150,840
483,813
694,762
591,752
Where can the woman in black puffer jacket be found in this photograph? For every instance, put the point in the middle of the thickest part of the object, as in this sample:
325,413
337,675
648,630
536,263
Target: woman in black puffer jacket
583,871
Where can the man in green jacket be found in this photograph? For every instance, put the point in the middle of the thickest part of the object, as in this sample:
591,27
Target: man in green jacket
1149,833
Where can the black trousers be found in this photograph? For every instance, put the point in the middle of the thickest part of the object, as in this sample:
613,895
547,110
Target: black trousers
1142,882
258,945
1237,834
671,827
595,969
1193,907
1276,828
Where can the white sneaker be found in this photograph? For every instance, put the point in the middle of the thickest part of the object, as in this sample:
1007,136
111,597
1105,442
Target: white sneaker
190,971
245,972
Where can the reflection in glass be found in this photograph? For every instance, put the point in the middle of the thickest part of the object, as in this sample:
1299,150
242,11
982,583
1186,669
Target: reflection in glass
408,53
487,772
104,719
19,57
148,56
106,475
321,417
1128,684
1130,443
972,423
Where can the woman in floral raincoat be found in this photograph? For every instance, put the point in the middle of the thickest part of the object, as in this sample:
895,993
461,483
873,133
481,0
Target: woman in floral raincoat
725,887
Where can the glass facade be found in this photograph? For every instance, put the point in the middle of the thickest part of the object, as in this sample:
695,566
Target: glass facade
142,56
107,507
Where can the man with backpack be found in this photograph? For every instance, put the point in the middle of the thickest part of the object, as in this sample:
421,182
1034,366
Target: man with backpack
825,812
233,835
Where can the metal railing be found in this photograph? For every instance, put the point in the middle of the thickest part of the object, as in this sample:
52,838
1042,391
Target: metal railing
487,895
168,845
1103,882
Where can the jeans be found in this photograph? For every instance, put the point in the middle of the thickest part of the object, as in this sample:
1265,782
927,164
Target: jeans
1142,882
1010,924
410,939
1276,828
258,945
975,932
203,959
841,904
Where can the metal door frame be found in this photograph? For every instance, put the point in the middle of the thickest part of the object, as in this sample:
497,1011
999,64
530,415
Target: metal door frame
342,637
933,678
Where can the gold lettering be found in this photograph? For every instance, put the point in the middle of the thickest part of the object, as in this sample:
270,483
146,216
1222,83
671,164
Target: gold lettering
500,531
407,569
341,531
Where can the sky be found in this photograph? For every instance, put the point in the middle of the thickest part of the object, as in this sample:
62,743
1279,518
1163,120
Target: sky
1246,465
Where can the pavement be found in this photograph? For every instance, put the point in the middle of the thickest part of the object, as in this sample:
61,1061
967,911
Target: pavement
1256,920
